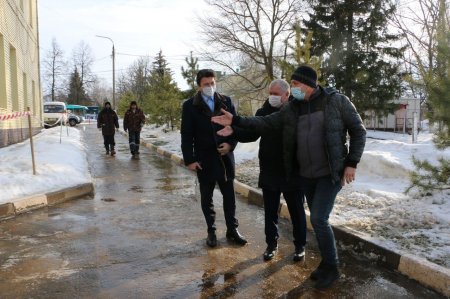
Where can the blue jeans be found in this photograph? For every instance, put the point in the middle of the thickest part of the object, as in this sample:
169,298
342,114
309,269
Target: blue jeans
134,139
294,201
320,195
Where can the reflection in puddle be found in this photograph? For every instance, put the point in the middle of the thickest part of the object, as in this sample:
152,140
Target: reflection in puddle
108,199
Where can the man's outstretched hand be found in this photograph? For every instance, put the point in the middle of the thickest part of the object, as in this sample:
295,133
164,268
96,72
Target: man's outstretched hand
225,120
225,132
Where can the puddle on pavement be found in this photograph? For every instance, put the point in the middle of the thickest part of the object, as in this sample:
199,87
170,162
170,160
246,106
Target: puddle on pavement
108,199
66,216
137,189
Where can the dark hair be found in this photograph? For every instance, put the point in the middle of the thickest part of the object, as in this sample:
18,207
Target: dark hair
205,73
133,103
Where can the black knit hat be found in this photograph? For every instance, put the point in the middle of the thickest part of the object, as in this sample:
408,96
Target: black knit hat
305,74
107,103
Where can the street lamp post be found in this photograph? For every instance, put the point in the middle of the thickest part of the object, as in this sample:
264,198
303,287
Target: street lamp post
114,69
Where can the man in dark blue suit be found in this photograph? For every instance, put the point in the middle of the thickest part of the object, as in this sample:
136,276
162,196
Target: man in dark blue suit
210,155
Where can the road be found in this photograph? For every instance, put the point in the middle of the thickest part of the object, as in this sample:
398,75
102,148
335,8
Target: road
143,236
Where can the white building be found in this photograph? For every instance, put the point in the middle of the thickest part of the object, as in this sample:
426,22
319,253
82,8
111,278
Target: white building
401,119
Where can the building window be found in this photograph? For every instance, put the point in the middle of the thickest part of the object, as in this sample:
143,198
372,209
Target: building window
3,100
13,75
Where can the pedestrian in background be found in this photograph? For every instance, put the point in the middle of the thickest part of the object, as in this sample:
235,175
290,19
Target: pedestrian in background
108,122
272,176
133,122
210,155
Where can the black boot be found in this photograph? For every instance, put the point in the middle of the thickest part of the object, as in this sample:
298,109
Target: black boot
113,152
270,252
316,273
299,254
328,275
211,240
234,236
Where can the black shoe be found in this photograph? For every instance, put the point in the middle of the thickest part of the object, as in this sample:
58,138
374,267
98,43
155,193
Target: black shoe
270,252
316,273
328,275
107,152
211,240
113,152
299,254
236,237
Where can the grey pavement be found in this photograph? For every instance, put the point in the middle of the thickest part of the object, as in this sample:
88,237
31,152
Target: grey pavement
143,236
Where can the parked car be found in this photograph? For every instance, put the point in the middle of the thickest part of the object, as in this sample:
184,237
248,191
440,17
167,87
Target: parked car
73,119
54,114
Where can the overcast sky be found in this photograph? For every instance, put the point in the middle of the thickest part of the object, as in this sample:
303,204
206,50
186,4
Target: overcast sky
137,27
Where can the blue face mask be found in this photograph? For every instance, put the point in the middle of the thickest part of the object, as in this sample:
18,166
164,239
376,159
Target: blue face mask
298,94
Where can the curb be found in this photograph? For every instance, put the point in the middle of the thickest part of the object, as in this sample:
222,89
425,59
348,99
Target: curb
29,203
419,269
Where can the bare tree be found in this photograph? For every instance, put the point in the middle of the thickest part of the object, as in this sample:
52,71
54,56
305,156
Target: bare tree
251,29
83,58
419,25
100,92
54,68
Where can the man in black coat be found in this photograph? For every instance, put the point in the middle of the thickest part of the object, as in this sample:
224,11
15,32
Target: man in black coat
210,155
108,122
272,177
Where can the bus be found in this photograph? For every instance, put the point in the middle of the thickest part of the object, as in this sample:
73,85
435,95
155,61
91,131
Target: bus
78,110
92,112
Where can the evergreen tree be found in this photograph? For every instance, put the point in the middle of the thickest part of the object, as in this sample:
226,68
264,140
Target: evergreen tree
164,105
359,56
300,53
190,74
77,95
428,177
439,85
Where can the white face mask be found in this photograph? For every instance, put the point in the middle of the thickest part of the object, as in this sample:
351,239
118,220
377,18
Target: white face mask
275,101
208,91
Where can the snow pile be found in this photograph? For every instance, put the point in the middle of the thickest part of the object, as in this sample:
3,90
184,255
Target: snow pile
58,165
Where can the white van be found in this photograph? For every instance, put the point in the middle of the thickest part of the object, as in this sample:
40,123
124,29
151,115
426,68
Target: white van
54,113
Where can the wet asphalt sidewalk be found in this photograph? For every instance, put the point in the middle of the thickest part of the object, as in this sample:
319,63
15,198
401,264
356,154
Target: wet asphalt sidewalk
143,236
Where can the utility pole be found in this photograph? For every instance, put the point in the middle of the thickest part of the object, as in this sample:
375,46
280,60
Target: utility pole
113,70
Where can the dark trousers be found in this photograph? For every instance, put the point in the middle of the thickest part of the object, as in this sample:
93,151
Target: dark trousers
229,203
109,142
320,194
294,201
134,139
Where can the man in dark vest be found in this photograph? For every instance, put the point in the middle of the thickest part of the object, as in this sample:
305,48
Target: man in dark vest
314,126
272,176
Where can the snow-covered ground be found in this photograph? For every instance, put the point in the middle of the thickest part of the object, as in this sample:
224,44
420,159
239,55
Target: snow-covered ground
58,165
374,205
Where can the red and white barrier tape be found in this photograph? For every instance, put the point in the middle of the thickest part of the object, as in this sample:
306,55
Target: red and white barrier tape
13,115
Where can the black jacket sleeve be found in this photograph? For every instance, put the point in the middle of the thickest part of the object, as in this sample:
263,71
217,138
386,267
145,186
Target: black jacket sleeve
259,124
247,135
187,135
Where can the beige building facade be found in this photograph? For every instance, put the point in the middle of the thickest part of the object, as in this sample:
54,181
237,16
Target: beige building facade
19,69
